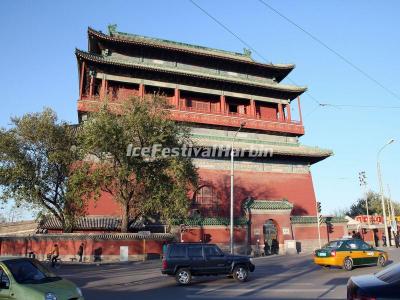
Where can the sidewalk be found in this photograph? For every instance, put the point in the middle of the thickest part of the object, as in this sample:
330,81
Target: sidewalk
149,264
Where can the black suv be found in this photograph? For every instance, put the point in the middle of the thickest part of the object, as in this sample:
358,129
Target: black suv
183,260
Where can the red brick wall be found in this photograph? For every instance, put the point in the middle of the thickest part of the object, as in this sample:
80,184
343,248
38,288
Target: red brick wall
297,188
69,247
105,205
218,235
311,232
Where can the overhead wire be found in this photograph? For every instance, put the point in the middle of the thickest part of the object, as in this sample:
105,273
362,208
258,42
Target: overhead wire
335,52
248,45
307,93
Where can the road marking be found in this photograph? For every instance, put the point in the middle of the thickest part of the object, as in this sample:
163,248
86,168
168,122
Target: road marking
254,292
246,290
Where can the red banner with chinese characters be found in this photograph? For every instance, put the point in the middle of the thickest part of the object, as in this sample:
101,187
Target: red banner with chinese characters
372,219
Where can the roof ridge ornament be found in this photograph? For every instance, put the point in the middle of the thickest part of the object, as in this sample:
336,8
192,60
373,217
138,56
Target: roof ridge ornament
112,28
247,52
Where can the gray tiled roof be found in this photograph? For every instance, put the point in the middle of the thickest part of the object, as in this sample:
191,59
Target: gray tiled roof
270,204
313,220
87,223
290,149
92,236
216,221
176,70
134,38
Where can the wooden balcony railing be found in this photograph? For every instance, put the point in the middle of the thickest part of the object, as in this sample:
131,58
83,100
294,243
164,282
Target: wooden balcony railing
206,116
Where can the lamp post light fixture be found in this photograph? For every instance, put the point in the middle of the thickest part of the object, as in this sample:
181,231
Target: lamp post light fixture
232,196
379,171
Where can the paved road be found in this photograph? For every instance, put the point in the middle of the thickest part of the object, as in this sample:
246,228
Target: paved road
278,277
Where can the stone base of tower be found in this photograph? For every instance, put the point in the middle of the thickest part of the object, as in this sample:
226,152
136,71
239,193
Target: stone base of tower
293,234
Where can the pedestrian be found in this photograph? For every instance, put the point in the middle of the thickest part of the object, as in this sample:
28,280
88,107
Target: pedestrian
376,239
384,240
266,250
275,246
80,252
396,239
55,253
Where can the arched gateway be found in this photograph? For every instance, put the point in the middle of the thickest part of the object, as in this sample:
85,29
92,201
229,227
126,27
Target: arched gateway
270,232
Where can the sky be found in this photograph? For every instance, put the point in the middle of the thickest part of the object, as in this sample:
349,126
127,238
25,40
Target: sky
38,67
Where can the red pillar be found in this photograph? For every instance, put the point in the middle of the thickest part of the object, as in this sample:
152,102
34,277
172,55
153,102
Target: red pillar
141,90
288,112
106,89
91,86
81,83
223,104
103,88
280,110
300,115
252,108
176,98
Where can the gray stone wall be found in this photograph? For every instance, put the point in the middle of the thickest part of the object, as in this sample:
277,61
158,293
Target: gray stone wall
276,167
261,137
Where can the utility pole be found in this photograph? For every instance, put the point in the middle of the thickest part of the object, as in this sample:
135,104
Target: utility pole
232,190
393,221
378,167
319,219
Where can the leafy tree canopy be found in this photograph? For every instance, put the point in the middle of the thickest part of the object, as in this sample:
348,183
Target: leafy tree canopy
144,186
374,205
36,154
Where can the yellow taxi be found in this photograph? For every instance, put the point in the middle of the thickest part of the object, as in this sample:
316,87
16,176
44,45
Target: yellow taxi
348,253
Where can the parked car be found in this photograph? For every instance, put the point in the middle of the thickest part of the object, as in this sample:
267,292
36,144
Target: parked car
347,253
184,260
382,285
26,278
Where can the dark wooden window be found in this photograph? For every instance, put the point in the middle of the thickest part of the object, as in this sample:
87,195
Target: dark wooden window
207,201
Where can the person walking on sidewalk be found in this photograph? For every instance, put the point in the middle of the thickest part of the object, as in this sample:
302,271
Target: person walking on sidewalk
80,252
55,253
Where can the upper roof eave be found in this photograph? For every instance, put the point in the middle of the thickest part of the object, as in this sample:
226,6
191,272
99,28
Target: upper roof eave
278,87
232,56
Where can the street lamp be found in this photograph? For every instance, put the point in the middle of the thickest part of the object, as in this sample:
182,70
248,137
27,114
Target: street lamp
232,196
378,167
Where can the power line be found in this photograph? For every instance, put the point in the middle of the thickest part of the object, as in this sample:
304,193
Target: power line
318,103
360,106
230,31
247,44
342,57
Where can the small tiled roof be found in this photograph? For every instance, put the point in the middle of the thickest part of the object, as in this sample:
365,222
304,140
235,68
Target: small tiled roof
87,223
217,221
270,204
194,73
91,236
313,220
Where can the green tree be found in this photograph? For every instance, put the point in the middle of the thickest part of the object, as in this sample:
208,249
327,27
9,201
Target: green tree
374,205
143,185
36,155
